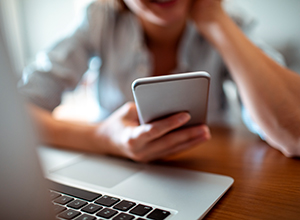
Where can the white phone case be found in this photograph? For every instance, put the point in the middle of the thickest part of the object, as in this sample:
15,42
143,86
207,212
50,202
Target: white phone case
161,96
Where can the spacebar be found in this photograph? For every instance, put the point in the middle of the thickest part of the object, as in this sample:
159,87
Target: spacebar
78,193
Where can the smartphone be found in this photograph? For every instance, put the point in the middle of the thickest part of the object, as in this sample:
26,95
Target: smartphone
161,96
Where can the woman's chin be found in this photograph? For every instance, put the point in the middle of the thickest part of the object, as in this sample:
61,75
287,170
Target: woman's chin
167,21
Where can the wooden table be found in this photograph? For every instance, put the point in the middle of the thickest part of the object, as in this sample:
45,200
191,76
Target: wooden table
267,184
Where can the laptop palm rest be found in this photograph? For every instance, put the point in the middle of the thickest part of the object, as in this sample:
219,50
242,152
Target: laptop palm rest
101,171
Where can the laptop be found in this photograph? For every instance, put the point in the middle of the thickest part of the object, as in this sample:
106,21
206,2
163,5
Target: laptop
88,187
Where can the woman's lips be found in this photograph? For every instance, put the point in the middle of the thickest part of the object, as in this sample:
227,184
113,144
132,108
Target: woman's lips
164,3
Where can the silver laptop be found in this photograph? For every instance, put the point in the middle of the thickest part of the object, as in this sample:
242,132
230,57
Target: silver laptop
87,187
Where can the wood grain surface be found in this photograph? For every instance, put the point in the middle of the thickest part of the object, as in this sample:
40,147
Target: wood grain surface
267,184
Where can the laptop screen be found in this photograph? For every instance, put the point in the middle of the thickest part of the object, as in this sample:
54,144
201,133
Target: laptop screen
23,192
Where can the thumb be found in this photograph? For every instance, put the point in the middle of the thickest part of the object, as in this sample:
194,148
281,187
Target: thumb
130,111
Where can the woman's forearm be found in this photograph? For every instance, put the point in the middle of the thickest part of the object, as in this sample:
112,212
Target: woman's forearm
64,134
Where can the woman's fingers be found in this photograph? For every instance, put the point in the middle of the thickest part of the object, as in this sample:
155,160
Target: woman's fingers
173,142
182,147
149,132
151,141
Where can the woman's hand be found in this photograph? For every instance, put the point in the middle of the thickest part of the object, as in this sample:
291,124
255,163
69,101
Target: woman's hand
121,135
206,14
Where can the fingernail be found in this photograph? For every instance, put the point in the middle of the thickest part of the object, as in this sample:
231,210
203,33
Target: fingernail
203,131
184,117
200,131
208,134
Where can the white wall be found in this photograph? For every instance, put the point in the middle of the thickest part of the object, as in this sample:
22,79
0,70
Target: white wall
44,21
278,24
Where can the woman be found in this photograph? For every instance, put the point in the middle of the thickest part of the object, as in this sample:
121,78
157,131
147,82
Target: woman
155,37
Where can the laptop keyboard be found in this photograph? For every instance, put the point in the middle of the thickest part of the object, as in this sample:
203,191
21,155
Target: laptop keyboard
78,204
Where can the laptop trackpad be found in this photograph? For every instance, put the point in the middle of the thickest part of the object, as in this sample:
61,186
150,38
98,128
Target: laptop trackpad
100,170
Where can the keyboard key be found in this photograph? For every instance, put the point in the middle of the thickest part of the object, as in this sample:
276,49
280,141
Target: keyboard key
107,213
77,204
107,201
59,208
85,217
75,192
91,208
141,219
158,214
141,210
124,205
123,216
54,195
69,214
63,200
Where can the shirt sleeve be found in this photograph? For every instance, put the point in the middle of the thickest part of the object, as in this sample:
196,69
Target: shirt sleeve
62,66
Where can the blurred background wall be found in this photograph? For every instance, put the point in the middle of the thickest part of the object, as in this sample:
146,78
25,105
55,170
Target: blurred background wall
278,24
35,24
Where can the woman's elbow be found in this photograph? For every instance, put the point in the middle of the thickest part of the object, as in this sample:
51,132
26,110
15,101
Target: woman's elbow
287,141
